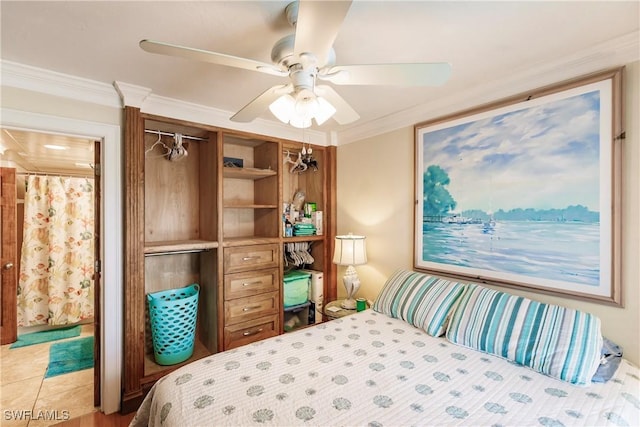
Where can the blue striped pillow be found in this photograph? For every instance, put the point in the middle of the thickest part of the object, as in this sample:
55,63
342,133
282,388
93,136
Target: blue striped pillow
423,301
556,341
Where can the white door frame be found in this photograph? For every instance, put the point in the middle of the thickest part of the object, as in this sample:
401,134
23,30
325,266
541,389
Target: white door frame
110,235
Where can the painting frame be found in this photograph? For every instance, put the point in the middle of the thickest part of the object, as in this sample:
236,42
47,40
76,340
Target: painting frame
442,244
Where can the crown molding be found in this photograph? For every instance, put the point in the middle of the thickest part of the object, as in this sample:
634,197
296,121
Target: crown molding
58,84
613,53
131,95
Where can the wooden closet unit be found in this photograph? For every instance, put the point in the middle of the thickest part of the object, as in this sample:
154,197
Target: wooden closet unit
212,217
251,224
314,184
250,193
171,237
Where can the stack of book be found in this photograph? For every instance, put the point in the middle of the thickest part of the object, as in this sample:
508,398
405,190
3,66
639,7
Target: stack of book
304,229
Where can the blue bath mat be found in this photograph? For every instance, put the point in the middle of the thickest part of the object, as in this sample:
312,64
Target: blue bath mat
46,336
70,356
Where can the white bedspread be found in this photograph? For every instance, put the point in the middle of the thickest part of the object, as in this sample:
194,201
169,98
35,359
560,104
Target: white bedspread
369,369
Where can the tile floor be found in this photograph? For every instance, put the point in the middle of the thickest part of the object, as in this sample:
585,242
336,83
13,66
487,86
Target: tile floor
23,387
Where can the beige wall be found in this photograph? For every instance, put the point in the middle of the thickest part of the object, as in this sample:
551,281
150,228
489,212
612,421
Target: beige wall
375,198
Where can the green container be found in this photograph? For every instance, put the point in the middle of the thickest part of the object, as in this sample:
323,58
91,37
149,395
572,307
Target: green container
296,287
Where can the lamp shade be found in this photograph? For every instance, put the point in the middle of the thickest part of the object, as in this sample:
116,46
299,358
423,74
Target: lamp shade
350,250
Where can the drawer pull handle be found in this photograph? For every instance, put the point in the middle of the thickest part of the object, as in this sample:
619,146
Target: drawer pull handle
255,282
247,333
253,307
250,258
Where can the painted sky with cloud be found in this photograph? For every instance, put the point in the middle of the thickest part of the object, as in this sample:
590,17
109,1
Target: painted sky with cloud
542,157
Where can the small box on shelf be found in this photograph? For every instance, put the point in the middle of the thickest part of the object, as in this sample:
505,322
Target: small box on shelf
232,162
316,220
316,295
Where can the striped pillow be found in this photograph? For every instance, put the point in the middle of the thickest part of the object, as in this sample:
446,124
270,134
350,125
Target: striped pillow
556,341
421,300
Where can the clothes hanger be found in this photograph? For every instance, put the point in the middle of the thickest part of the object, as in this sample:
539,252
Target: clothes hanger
288,158
159,141
299,165
178,151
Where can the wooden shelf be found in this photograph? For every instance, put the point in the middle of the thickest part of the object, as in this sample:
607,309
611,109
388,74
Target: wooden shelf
302,238
154,248
248,240
248,206
153,371
247,173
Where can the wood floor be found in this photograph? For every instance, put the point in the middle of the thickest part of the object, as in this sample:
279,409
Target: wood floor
98,419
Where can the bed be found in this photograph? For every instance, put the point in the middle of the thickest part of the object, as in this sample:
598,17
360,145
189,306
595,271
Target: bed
378,368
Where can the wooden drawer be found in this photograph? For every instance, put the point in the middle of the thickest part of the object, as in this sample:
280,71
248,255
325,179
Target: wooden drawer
244,309
238,285
248,332
248,258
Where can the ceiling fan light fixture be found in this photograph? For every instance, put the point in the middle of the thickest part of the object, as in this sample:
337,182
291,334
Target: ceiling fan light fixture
306,107
300,111
307,56
283,108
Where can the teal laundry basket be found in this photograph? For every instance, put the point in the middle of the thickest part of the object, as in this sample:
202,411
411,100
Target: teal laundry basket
173,315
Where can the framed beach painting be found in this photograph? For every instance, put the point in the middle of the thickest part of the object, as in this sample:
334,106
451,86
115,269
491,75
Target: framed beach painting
525,192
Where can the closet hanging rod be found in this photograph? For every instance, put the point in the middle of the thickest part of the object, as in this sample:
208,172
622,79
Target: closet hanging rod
186,251
157,132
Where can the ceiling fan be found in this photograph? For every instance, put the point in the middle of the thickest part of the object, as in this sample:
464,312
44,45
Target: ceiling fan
306,57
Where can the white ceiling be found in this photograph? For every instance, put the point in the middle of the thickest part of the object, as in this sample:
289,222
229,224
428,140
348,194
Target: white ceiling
36,152
488,43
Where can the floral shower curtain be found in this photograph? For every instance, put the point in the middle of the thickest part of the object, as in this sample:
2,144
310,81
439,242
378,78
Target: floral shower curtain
57,261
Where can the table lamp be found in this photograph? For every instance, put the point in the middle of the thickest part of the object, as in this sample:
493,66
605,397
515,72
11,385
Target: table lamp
350,250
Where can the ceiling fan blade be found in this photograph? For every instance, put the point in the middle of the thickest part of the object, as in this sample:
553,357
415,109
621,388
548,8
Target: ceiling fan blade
433,74
162,48
259,104
344,113
317,26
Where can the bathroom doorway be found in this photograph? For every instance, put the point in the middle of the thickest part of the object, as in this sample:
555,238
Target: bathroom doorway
63,169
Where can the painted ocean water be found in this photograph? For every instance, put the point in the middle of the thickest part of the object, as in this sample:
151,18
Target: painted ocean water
565,251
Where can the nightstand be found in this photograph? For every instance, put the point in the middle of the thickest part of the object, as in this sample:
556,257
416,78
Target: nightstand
331,312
